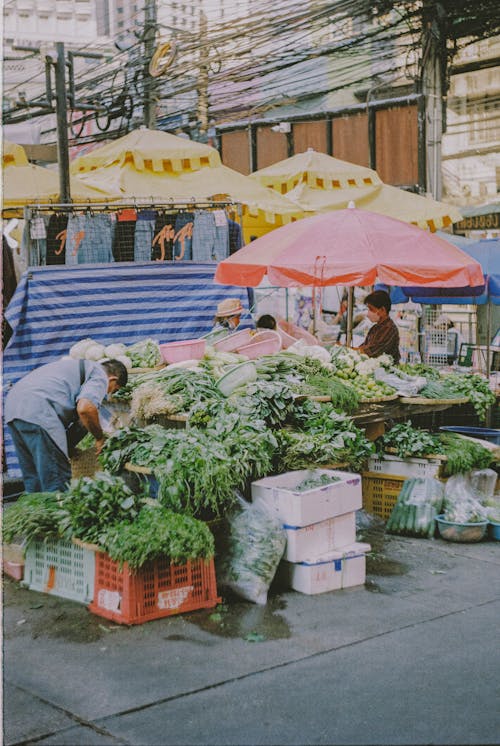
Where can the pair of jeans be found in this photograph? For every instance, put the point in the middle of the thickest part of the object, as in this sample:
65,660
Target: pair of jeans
210,241
44,466
144,235
89,239
183,241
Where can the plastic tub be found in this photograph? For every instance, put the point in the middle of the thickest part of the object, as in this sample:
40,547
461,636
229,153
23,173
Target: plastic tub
262,343
484,433
237,376
461,532
494,530
187,349
286,340
297,332
231,342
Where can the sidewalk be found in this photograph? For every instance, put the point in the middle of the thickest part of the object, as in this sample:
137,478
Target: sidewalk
411,658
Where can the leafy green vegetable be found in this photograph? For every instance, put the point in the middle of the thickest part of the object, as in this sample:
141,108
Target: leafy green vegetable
310,483
475,387
157,532
92,504
462,454
409,441
34,516
144,354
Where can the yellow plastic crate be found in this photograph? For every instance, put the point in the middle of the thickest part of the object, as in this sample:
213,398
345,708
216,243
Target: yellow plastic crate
380,492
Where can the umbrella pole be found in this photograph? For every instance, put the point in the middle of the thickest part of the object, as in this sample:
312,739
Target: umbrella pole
488,356
350,310
314,300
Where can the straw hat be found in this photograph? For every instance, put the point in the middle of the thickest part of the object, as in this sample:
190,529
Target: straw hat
229,307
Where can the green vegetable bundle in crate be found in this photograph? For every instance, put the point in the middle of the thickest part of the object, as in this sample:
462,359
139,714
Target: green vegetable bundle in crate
418,504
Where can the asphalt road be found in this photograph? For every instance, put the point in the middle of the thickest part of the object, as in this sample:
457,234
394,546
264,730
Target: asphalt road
412,657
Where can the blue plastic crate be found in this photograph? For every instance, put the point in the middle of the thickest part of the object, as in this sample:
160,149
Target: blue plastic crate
484,433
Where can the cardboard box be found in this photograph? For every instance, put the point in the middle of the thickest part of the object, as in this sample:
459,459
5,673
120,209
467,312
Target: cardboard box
311,541
342,568
301,508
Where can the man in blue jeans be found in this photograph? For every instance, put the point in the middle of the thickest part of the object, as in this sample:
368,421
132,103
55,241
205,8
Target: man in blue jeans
42,408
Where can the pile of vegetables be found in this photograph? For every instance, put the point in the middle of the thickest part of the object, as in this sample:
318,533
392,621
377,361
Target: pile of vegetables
174,390
198,470
142,354
320,435
33,517
418,504
105,511
462,454
158,532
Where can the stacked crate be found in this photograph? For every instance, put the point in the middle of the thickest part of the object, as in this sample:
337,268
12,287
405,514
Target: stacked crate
321,552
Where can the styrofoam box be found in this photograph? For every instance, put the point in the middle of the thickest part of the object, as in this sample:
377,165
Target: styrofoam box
303,508
405,467
319,538
343,568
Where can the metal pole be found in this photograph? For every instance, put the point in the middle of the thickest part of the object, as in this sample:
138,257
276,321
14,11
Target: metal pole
62,124
350,311
149,102
203,79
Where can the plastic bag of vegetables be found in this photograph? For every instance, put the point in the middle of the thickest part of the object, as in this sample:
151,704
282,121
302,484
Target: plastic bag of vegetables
256,544
460,502
418,504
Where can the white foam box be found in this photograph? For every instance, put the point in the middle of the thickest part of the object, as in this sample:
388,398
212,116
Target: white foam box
319,538
301,508
342,568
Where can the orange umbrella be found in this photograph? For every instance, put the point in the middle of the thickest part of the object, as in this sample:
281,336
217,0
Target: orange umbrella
350,247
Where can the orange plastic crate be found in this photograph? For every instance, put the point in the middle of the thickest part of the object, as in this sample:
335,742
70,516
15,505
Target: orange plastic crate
156,590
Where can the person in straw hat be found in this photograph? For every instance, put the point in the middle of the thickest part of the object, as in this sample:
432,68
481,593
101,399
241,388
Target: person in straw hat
228,315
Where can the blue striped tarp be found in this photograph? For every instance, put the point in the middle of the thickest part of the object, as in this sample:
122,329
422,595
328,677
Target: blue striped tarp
54,307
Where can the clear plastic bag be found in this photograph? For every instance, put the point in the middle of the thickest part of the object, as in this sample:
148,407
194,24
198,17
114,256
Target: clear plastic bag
404,384
460,502
256,545
418,504
483,483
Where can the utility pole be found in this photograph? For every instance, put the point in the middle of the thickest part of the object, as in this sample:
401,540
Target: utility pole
62,124
434,89
202,87
149,98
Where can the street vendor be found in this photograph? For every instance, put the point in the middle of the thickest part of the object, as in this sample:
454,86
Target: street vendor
48,406
383,336
228,315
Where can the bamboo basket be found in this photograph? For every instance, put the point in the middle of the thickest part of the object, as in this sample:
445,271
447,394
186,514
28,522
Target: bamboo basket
430,402
378,399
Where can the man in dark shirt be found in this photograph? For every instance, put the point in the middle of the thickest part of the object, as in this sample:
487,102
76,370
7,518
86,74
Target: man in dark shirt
383,337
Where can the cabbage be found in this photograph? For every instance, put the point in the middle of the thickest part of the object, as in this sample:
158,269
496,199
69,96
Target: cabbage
127,362
80,348
115,350
144,354
95,351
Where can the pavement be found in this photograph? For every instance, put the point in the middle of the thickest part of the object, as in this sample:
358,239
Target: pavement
411,657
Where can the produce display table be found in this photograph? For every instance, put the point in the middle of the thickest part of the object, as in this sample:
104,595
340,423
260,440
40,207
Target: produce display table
369,413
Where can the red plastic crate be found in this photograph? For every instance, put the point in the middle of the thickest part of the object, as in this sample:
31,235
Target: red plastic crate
156,590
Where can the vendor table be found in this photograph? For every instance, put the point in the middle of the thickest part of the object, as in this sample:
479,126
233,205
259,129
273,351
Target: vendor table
379,411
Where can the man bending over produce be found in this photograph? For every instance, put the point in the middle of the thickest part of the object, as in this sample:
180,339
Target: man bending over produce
383,337
45,407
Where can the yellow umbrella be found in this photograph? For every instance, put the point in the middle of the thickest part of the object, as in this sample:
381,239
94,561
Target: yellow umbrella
13,155
150,150
387,200
219,183
316,170
24,185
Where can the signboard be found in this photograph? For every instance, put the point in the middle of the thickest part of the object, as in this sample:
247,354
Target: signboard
479,222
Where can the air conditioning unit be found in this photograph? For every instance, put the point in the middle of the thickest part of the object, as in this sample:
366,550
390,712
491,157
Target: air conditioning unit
283,127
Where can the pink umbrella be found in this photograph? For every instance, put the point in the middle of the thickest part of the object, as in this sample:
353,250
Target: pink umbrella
350,247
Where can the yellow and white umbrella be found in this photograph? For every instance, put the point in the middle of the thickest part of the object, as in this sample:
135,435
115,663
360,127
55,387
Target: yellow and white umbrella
151,151
316,170
219,183
316,182
383,199
13,154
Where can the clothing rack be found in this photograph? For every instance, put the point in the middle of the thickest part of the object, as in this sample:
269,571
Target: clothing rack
135,204
122,241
